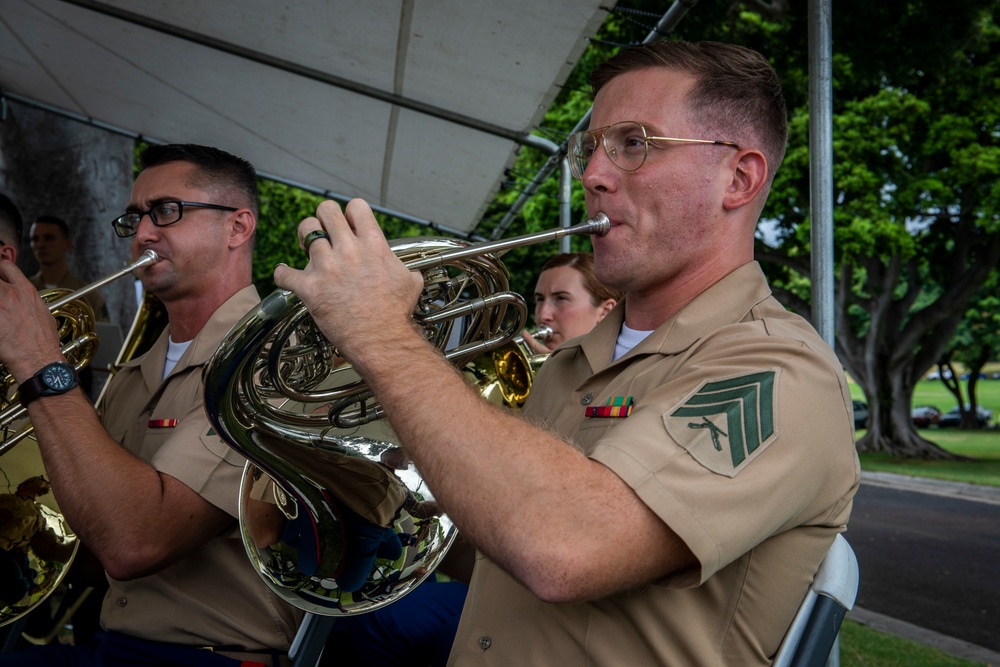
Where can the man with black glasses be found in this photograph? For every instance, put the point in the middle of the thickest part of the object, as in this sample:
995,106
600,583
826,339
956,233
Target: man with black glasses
696,456
148,485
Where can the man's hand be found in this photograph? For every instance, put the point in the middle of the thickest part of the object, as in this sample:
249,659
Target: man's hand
28,336
359,293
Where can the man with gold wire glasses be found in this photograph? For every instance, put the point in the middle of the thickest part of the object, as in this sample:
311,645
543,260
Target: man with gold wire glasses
679,473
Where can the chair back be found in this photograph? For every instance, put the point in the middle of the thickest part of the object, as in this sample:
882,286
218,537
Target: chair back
307,647
816,626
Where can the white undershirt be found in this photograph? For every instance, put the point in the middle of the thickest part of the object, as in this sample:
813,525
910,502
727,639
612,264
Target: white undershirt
174,352
627,339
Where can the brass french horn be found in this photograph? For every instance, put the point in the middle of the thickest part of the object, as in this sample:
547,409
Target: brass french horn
504,375
333,516
37,546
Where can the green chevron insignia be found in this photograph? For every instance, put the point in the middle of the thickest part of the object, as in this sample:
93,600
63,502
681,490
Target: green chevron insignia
726,423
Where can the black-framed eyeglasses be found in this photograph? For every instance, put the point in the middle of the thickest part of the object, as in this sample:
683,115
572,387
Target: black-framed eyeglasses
626,143
162,214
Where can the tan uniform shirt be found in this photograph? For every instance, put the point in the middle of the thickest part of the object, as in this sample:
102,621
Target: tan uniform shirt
212,597
95,300
740,439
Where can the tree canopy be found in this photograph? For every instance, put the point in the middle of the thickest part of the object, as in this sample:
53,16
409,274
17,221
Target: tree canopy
916,127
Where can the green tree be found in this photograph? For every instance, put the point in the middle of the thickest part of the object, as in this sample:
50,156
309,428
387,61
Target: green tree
915,178
976,342
282,208
916,159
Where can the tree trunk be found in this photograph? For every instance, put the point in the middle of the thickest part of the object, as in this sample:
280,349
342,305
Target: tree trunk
967,409
51,165
890,424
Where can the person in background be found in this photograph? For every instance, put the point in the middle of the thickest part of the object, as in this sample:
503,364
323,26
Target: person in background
51,243
148,485
678,474
569,299
10,229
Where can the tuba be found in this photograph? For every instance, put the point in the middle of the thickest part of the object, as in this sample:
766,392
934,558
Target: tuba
36,544
334,518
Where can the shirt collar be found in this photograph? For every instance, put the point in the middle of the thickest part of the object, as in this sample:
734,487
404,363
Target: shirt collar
206,342
726,302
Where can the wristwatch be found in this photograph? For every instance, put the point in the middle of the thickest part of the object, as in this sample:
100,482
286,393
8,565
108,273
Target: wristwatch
53,379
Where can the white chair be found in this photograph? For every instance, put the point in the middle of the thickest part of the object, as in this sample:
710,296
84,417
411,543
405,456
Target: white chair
307,647
811,640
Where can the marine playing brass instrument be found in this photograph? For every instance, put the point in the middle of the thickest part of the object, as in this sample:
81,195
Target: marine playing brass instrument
333,516
37,546
75,320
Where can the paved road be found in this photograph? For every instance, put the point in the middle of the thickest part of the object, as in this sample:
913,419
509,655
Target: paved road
930,559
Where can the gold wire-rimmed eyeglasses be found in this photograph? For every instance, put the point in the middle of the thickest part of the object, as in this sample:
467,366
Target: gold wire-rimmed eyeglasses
626,143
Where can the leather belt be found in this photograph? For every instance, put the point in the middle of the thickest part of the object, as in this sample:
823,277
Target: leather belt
267,658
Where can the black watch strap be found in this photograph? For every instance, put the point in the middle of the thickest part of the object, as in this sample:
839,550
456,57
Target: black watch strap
42,384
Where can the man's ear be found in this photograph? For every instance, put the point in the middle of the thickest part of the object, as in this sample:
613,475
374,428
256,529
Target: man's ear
243,227
749,175
8,252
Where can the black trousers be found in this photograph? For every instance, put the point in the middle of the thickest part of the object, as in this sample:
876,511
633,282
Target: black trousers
114,649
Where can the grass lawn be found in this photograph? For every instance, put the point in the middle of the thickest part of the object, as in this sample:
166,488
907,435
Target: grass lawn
983,446
861,646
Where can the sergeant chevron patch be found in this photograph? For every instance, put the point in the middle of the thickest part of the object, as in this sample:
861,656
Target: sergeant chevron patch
725,424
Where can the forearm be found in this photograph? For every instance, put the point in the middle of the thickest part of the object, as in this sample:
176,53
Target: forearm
529,500
118,504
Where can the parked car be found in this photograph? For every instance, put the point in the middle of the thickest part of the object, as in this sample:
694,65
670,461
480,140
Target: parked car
925,415
860,414
934,375
953,418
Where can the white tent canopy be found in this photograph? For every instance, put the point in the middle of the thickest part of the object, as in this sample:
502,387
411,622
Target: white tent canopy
417,106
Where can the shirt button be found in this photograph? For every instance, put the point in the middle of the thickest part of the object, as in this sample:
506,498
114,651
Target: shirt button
587,399
484,642
122,601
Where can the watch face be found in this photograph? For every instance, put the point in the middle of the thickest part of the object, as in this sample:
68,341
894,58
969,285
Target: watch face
58,377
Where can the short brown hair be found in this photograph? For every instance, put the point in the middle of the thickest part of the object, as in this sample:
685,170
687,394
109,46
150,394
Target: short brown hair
737,95
215,167
584,263
53,220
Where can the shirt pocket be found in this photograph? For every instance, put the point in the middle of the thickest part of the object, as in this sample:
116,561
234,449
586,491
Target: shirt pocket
215,444
590,432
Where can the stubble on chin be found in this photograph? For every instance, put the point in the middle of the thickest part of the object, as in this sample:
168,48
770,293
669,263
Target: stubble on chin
158,283
613,267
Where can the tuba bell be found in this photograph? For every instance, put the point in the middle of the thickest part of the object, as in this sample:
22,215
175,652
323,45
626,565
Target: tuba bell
37,546
334,517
